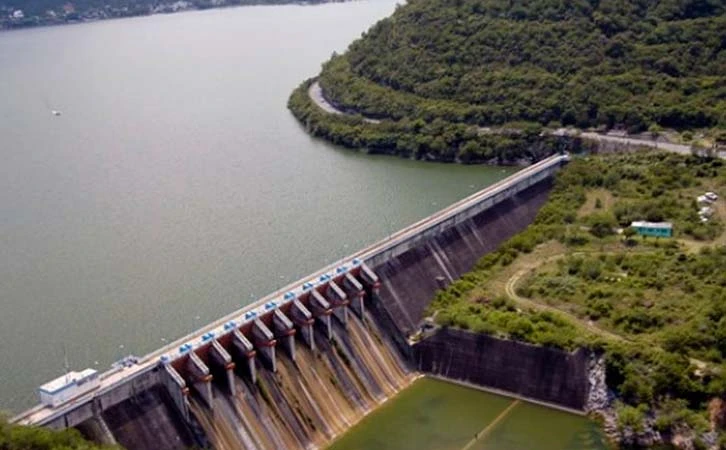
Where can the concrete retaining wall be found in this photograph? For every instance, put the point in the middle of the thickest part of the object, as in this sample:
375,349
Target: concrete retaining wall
127,390
539,373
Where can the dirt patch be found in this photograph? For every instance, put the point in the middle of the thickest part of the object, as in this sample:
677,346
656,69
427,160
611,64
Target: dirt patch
596,200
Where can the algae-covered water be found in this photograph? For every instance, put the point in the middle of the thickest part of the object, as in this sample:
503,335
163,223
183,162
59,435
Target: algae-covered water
436,415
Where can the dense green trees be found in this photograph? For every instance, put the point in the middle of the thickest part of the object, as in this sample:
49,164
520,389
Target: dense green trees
13,437
640,65
578,62
429,140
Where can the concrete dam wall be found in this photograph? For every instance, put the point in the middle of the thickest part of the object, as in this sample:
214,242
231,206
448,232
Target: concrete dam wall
538,373
410,280
302,365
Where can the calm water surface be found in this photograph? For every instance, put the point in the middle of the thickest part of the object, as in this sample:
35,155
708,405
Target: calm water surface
436,415
176,187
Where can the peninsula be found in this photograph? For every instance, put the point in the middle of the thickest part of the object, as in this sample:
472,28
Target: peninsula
477,81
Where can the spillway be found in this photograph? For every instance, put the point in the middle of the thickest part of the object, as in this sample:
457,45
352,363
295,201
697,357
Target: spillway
309,401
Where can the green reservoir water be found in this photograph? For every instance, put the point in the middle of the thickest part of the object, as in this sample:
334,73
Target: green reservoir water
437,415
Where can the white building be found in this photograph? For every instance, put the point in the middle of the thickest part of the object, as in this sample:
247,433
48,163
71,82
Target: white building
68,387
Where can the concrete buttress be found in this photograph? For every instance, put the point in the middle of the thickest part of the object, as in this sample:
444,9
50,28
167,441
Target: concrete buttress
221,358
356,294
339,300
177,389
265,343
201,378
304,321
370,278
285,331
246,353
321,311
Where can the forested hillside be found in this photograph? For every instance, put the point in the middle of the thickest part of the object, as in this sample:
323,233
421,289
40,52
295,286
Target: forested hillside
586,63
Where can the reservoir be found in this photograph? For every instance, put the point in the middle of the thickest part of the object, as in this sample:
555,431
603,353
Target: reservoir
175,186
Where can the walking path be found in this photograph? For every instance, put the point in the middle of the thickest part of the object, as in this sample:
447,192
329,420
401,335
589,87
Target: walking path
510,290
316,95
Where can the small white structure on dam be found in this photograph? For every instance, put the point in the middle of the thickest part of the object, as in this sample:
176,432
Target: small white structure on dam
68,387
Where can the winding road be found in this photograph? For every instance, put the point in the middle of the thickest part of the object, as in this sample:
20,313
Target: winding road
317,96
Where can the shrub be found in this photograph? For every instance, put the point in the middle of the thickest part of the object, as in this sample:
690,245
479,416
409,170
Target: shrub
631,417
602,224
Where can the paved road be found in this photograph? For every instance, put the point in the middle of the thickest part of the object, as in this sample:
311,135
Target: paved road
667,146
675,148
316,94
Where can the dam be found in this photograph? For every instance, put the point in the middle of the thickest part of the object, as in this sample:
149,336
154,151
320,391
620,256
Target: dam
300,366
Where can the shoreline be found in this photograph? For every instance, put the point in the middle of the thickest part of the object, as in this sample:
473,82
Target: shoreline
318,97
166,13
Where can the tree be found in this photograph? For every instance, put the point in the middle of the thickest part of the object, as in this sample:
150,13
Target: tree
629,232
655,130
602,224
17,437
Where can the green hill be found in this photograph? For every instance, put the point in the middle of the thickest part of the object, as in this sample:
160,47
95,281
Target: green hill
612,63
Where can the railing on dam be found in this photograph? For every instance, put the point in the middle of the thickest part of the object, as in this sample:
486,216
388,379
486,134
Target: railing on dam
248,317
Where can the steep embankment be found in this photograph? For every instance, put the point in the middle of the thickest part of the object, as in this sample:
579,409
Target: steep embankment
475,81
